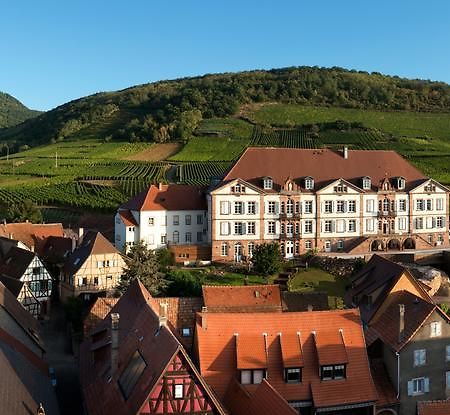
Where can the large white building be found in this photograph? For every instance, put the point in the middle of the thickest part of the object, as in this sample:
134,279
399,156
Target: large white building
164,216
353,201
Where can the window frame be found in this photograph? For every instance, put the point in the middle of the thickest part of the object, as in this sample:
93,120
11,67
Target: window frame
290,370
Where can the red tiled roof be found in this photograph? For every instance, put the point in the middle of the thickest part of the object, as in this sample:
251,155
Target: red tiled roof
251,351
291,350
168,197
216,350
230,298
127,218
322,165
33,235
386,327
433,407
330,347
99,310
139,330
265,400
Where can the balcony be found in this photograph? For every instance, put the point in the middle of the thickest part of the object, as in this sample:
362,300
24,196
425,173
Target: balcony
287,216
387,213
93,288
289,236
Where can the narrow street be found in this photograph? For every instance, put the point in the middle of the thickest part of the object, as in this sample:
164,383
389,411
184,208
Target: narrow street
59,356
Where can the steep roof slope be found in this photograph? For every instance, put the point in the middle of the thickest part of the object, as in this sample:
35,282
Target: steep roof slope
433,407
323,165
168,197
289,337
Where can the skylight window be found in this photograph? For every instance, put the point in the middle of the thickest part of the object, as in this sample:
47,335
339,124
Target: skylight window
131,374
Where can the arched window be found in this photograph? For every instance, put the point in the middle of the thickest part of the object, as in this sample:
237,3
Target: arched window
386,205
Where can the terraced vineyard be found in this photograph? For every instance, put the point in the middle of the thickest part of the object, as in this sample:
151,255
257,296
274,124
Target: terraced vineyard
356,139
292,138
200,173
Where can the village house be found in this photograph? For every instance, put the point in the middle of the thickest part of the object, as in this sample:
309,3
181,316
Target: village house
316,361
133,364
93,268
24,274
25,383
351,201
172,216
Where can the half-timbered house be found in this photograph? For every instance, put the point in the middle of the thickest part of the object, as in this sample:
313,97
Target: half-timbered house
133,364
26,276
94,267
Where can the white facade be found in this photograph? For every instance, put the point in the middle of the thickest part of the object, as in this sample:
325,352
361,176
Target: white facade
159,228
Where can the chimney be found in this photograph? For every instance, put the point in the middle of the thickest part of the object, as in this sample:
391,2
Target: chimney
40,410
160,186
163,314
401,325
310,307
204,318
114,342
345,152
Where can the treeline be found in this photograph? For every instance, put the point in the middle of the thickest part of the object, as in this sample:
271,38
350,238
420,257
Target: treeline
171,110
12,111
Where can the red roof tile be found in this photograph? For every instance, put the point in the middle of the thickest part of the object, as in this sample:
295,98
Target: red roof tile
433,408
127,218
385,389
265,400
99,310
251,351
291,350
168,197
322,165
330,347
216,350
253,298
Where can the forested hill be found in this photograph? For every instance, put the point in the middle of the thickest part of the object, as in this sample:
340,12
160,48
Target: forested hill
12,111
170,110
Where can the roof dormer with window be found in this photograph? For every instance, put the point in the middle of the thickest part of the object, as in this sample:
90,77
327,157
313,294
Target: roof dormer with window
292,355
309,183
267,183
401,183
251,352
366,183
332,354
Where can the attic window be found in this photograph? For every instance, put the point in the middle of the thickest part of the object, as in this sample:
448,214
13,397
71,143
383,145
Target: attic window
332,372
268,183
293,375
130,376
309,183
366,183
401,183
238,188
340,188
430,188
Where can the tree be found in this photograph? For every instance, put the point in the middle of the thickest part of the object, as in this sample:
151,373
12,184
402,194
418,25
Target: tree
142,263
266,258
22,212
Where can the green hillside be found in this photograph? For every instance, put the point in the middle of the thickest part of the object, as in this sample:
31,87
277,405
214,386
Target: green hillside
13,112
96,152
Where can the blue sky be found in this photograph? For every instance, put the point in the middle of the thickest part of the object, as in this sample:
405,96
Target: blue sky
55,51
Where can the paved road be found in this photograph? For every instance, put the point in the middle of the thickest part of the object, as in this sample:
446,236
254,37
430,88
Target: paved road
60,357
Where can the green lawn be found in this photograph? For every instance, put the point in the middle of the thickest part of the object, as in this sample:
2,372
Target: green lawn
229,278
315,279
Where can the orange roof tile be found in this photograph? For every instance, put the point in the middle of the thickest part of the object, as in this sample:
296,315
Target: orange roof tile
291,350
385,389
233,298
99,310
433,407
127,218
251,351
322,165
168,197
330,347
216,351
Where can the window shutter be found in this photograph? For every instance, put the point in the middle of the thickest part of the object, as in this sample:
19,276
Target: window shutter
423,356
277,227
345,207
333,226
244,228
416,358
410,387
243,208
426,382
256,207
277,207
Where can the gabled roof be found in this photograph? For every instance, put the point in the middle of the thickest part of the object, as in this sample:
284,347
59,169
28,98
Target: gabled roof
433,407
21,316
417,311
234,298
24,384
265,400
32,235
168,197
127,217
57,248
15,262
139,332
93,243
378,273
98,311
322,165
216,351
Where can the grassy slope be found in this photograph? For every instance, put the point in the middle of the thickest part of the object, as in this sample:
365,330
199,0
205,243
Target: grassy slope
13,112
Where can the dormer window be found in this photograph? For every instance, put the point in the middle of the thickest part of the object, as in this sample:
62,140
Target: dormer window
401,183
366,183
309,183
238,188
293,375
332,372
268,183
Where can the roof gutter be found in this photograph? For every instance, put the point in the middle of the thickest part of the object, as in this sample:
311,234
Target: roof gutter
398,373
